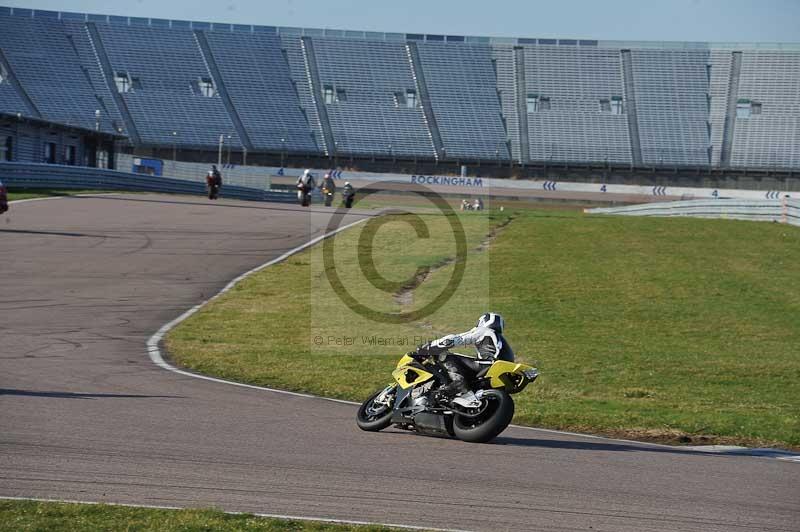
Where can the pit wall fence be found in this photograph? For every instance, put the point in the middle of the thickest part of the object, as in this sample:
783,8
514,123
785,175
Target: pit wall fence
56,177
783,210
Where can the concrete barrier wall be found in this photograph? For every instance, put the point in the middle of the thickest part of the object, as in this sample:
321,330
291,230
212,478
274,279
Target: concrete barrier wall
263,176
29,175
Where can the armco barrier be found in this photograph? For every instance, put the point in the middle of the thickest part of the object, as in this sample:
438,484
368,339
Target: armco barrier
783,210
241,176
27,175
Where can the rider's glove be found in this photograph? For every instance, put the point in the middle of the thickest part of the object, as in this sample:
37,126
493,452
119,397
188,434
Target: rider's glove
420,353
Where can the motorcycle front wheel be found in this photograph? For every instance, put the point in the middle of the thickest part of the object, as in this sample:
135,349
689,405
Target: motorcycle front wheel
499,409
373,417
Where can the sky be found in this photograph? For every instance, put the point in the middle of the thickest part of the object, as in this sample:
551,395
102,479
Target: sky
653,20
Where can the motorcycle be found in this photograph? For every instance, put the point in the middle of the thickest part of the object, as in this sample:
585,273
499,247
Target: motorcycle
304,195
3,198
348,195
413,402
328,195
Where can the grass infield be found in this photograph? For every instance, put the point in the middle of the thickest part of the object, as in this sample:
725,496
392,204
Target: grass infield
24,516
670,330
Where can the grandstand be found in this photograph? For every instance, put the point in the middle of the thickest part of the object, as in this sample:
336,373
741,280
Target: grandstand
169,84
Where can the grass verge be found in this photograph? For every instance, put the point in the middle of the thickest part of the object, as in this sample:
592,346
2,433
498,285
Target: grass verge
670,330
23,516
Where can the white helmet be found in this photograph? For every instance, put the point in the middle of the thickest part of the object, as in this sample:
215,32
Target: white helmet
492,321
306,173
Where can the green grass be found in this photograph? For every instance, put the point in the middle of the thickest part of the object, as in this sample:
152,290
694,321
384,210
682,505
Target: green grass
20,194
663,329
30,516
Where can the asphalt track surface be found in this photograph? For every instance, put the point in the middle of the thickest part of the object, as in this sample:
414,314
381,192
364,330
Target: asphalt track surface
85,415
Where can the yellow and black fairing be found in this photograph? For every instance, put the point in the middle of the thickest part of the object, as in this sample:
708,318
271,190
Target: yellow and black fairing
510,376
498,374
409,374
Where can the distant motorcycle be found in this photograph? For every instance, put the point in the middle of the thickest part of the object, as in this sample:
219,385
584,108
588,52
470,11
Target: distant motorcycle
413,401
348,194
304,195
328,195
3,198
213,184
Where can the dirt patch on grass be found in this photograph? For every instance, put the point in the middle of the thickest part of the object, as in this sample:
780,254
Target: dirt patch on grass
405,296
681,438
492,235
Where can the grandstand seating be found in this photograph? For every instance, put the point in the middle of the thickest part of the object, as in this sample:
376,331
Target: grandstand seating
574,127
167,62
463,90
672,90
300,77
257,78
46,64
350,93
503,60
11,101
771,137
79,35
366,114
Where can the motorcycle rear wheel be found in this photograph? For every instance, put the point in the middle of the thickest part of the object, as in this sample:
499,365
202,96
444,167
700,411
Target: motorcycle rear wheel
488,425
373,422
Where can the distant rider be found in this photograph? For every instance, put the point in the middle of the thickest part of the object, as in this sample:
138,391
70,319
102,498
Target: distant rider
348,194
306,180
3,198
328,189
486,336
305,184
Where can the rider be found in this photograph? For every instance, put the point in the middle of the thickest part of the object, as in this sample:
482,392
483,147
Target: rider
307,180
348,194
328,184
3,199
486,336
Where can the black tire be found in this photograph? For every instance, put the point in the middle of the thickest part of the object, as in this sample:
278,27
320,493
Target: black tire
487,426
372,423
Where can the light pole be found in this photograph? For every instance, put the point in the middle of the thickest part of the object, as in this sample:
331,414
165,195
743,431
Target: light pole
219,152
283,150
229,149
97,119
335,153
174,146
